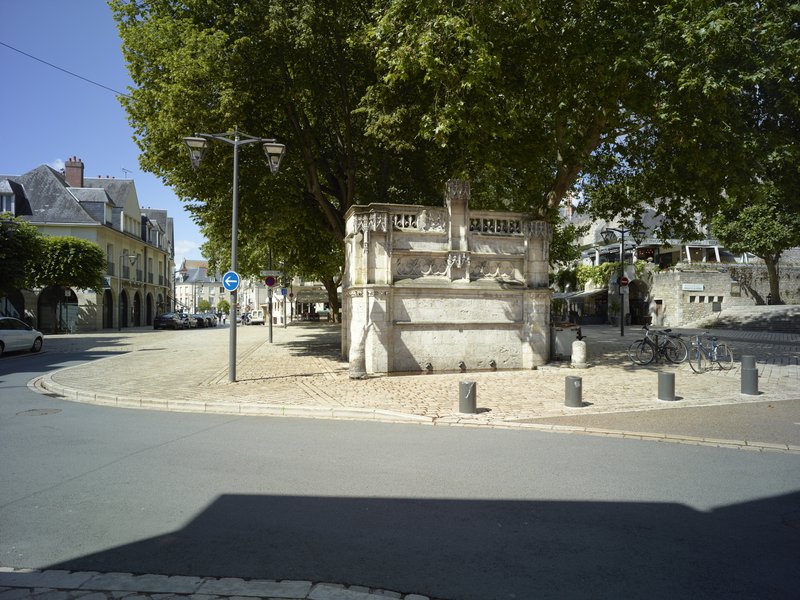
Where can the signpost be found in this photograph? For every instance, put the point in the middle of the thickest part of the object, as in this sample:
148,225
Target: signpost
231,281
623,281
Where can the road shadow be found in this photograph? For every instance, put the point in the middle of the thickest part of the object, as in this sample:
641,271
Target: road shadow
484,549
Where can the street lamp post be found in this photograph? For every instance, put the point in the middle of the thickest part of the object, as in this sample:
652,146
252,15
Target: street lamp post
197,146
132,259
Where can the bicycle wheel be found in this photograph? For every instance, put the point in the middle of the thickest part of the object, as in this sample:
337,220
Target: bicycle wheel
724,357
698,360
675,350
641,353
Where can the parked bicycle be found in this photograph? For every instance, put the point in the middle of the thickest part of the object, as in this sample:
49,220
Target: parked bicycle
656,344
702,357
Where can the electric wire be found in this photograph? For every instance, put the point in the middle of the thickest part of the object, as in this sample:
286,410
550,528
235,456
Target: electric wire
105,87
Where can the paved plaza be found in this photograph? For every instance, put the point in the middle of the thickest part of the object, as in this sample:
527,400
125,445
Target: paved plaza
301,374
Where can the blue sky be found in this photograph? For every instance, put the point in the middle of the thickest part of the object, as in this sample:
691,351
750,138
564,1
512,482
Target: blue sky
47,116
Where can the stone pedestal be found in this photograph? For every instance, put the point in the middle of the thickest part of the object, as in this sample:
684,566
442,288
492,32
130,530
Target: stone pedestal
579,355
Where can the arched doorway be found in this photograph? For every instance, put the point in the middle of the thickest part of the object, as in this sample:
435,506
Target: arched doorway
123,309
137,310
58,310
160,307
12,305
108,310
148,309
639,302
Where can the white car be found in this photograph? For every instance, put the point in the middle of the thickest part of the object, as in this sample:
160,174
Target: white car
16,335
256,317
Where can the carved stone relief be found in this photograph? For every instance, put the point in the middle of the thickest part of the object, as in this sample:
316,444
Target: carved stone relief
411,267
494,269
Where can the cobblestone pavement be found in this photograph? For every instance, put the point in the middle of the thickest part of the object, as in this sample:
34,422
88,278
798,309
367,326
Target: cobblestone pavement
301,375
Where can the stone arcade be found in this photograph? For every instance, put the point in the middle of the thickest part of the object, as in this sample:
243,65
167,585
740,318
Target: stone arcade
442,289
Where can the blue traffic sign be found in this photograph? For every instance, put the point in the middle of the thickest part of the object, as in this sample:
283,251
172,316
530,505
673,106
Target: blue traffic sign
230,281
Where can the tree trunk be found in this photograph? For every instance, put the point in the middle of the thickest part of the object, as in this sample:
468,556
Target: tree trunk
331,286
774,282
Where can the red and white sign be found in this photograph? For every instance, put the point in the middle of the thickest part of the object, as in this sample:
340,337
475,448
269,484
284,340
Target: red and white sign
623,280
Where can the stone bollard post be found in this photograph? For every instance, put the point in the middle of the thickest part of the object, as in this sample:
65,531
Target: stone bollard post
579,354
666,386
468,397
749,376
573,392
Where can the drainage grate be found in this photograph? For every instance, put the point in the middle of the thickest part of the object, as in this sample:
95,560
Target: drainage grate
38,412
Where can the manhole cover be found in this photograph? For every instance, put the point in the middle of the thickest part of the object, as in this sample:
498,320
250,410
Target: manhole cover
38,412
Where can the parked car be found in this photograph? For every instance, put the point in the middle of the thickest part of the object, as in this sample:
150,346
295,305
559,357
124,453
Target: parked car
200,320
256,317
212,319
16,335
188,321
168,321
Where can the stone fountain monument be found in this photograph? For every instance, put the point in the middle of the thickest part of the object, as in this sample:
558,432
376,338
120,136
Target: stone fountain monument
430,289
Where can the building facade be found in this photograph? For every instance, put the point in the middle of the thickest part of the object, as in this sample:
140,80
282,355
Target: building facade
138,243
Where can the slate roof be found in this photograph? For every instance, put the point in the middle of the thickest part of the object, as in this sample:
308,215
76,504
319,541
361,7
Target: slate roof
158,216
48,198
117,189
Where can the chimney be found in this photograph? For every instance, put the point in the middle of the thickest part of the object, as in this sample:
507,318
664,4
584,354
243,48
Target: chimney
74,172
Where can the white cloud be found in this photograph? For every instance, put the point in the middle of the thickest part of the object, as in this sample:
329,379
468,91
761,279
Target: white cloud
57,164
187,249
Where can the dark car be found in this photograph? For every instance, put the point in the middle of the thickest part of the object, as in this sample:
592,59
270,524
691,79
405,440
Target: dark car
168,321
189,322
200,320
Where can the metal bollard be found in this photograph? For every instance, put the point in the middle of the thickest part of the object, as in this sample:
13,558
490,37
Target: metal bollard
467,397
666,386
749,376
748,362
573,391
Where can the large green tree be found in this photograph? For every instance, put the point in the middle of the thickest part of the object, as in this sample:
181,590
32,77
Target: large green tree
292,69
663,102
70,262
726,115
21,247
767,226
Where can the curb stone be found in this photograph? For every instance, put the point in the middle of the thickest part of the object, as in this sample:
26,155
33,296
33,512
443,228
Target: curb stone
22,583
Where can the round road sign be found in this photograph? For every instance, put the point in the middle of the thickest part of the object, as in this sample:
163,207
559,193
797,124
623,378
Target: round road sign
269,281
623,280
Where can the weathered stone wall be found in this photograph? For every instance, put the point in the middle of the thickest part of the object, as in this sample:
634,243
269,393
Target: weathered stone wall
429,288
690,292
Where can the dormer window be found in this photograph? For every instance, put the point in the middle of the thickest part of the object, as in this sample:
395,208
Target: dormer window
6,197
7,203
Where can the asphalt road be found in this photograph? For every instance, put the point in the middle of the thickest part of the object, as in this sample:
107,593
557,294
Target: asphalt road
452,513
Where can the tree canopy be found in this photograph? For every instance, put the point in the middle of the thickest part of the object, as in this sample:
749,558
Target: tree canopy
766,226
659,101
70,262
21,247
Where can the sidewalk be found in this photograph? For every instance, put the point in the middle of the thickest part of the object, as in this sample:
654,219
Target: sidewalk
302,375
